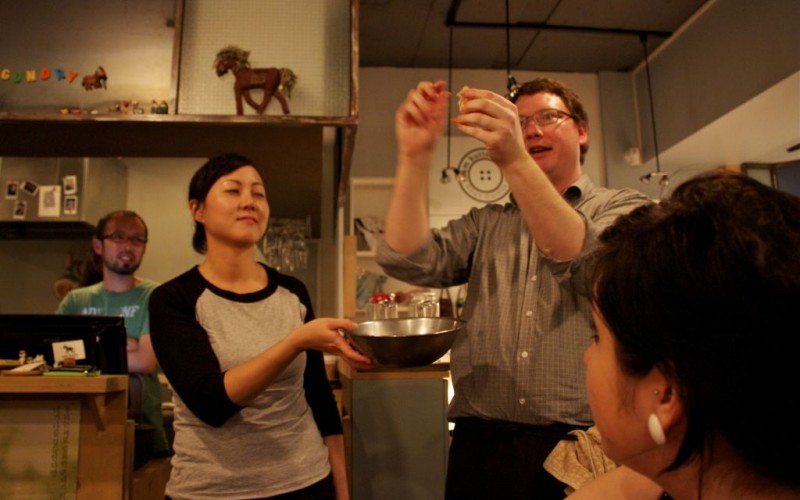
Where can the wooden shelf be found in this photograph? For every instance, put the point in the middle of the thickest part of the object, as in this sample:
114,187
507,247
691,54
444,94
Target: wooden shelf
93,389
100,384
275,120
167,136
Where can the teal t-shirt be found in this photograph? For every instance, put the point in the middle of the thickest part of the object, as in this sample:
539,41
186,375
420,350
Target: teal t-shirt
132,305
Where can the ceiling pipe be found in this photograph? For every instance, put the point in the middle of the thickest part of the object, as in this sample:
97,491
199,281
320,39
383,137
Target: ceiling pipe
452,12
557,27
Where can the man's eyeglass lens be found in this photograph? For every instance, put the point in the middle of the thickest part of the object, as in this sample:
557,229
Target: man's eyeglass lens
122,238
544,117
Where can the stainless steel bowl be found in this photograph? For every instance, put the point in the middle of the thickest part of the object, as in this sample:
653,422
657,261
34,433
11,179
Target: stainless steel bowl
406,342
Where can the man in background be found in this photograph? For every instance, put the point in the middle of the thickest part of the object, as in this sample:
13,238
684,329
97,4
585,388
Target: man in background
118,245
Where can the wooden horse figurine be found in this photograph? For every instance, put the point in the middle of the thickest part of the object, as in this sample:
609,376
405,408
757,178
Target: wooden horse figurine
273,81
95,81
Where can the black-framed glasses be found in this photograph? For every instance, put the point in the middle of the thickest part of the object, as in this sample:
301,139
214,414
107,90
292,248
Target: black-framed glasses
544,117
120,237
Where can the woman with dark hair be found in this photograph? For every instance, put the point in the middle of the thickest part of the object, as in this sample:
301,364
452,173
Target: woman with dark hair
254,413
695,358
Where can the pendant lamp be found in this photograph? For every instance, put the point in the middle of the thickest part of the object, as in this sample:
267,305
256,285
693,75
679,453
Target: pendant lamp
662,177
445,178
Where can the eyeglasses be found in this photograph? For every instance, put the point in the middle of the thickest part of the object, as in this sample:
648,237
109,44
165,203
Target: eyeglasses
544,117
118,237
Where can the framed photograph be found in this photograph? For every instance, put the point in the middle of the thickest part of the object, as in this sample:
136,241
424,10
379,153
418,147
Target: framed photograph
20,209
70,184
12,190
70,205
30,187
50,201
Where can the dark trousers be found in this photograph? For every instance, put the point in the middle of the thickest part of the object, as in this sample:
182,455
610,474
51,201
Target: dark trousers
492,459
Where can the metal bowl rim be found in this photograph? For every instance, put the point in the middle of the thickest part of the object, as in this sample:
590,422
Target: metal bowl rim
458,324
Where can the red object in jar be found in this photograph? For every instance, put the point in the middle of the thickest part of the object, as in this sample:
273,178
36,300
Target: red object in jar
378,297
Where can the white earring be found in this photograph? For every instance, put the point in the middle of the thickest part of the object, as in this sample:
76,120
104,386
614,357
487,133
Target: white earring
656,430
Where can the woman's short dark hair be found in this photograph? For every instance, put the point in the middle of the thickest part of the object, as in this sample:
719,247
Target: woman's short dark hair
568,97
704,286
201,183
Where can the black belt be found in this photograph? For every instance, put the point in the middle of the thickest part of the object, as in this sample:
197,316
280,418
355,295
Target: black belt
496,428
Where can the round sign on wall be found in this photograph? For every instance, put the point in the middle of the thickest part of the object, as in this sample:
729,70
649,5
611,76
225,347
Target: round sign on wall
480,178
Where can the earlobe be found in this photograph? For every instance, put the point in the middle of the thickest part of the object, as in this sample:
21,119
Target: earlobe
669,410
665,407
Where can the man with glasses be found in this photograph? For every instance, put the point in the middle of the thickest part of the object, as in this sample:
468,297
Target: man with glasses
118,245
517,369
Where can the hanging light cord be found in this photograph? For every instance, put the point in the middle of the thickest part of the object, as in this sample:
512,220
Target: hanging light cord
511,83
508,43
643,38
449,104
447,168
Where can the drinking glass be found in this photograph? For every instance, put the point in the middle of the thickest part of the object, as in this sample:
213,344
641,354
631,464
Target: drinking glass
424,305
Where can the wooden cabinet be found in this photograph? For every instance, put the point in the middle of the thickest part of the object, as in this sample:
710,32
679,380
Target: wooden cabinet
105,453
396,432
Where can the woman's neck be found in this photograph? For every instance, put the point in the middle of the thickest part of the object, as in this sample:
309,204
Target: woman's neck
234,270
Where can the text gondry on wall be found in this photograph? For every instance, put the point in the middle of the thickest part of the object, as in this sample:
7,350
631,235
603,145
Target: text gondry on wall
31,75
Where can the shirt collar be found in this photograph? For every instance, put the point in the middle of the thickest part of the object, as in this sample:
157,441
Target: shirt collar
572,194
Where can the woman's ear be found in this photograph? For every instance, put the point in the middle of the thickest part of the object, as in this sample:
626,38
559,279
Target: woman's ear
196,208
667,403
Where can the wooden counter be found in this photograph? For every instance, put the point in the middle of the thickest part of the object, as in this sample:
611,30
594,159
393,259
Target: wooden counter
103,456
436,370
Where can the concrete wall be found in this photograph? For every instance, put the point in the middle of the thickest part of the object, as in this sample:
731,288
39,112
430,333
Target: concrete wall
733,52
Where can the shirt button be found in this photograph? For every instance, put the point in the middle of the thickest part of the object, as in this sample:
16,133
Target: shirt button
528,313
524,354
533,278
522,401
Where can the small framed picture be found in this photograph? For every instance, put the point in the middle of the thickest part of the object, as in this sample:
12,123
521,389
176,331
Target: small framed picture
70,205
12,190
20,209
68,349
50,201
30,187
70,184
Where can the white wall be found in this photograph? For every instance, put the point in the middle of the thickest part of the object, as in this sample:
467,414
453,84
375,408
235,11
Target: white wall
28,269
131,40
158,190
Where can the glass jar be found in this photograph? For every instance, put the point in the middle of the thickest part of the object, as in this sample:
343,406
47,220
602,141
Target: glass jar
381,306
424,305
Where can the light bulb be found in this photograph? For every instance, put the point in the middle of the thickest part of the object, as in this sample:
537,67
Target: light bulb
445,178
